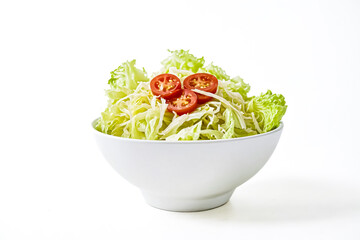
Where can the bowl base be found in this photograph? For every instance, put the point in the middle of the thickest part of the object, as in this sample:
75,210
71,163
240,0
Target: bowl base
186,205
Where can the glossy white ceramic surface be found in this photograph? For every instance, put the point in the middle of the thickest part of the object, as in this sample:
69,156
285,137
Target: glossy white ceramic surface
188,175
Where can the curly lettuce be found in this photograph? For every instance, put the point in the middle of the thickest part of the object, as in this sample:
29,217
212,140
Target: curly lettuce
183,60
268,109
133,111
127,76
218,72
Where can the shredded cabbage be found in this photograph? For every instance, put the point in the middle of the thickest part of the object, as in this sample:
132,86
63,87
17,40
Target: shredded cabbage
133,111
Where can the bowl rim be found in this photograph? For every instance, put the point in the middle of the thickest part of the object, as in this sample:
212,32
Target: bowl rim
278,129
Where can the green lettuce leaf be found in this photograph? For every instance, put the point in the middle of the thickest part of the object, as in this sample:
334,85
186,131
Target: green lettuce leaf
127,76
218,72
182,59
268,109
237,84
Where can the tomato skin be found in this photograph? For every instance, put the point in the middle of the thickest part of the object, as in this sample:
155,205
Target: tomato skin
186,102
202,81
165,85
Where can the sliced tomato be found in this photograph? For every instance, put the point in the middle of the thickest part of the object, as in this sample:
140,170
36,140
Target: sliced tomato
202,81
186,102
165,85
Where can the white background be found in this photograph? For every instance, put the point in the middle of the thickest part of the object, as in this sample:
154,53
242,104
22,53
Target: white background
55,59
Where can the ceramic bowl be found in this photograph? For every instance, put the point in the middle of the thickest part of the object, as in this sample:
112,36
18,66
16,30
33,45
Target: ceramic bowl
187,175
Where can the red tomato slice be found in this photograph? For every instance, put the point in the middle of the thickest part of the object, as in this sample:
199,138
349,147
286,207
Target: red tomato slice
165,85
202,81
185,103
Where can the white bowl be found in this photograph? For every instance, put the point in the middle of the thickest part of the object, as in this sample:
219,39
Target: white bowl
188,175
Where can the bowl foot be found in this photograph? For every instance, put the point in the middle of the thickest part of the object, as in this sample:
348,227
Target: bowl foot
186,204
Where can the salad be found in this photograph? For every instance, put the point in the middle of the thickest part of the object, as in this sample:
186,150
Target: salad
185,100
